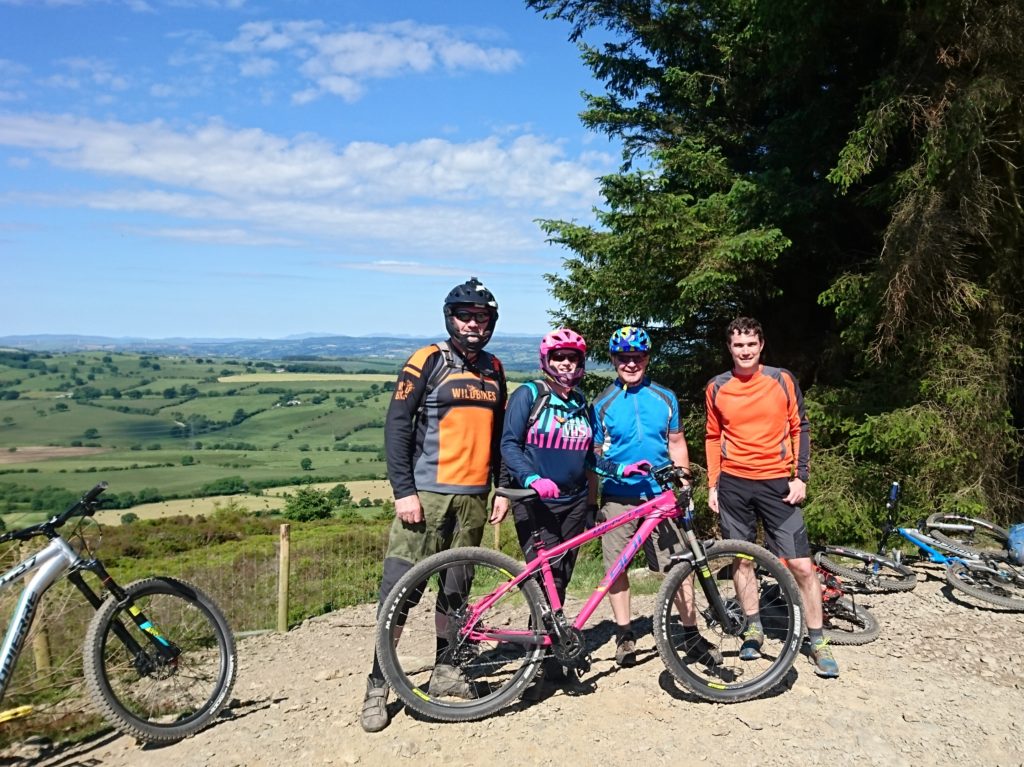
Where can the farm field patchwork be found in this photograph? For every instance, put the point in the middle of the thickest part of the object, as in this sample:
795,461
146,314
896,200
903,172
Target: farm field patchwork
162,428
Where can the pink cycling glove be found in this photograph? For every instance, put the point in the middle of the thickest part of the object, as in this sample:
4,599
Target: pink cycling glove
640,467
545,488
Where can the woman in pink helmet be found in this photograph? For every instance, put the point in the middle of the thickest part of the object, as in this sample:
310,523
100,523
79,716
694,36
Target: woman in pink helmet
547,445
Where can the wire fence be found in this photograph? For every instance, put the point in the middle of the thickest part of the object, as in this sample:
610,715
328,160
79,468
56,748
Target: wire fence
331,567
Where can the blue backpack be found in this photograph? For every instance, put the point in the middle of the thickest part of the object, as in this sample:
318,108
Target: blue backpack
1015,544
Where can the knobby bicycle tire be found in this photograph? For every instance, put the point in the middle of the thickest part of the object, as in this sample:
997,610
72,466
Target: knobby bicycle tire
1005,589
147,696
711,666
848,623
870,571
984,537
455,679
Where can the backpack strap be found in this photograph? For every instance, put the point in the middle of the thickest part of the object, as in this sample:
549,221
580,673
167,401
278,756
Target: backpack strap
541,396
437,373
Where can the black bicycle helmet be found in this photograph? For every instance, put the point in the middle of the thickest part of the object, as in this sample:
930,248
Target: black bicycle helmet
470,294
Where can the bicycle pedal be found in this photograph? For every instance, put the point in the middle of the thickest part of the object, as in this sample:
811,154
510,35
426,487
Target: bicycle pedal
584,665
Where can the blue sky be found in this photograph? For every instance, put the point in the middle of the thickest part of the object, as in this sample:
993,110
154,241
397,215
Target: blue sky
237,168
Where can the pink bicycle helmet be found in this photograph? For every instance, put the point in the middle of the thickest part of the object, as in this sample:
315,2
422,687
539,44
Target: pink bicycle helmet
563,338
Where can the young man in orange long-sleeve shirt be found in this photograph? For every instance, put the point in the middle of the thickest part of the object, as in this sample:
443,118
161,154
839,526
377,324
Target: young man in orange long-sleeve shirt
758,443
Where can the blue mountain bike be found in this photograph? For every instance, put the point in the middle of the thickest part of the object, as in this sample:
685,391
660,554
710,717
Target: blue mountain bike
968,548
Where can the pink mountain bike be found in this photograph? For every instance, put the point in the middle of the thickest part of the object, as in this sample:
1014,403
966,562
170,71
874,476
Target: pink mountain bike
465,631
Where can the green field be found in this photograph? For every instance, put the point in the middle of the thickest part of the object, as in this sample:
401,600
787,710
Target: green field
168,427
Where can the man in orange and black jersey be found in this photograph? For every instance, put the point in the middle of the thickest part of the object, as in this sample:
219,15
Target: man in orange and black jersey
441,438
758,443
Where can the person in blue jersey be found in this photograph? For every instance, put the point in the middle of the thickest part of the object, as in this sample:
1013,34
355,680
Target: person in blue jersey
637,420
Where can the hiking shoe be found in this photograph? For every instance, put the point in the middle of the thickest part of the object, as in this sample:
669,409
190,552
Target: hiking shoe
700,649
375,705
824,662
625,650
448,681
753,638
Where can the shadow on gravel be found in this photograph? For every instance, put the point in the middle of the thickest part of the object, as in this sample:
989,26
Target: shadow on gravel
957,598
668,683
77,754
73,755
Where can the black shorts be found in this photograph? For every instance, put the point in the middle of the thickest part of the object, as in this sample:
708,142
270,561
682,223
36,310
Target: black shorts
742,502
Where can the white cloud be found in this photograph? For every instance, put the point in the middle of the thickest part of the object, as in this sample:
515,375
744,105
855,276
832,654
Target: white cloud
257,66
11,69
407,268
339,62
426,195
253,163
80,71
234,236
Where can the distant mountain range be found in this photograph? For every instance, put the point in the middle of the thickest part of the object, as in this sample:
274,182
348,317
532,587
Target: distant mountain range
516,352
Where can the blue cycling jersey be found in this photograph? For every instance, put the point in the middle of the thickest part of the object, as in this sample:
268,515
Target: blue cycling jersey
633,424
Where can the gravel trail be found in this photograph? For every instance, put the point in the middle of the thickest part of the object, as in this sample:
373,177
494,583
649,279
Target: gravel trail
942,685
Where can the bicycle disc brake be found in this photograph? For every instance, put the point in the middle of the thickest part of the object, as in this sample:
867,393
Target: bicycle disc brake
735,618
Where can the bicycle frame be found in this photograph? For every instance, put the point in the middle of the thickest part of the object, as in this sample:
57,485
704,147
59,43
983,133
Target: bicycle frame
50,564
662,507
932,548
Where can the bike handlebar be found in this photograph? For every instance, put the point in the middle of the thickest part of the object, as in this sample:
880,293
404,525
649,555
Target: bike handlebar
671,476
84,506
668,476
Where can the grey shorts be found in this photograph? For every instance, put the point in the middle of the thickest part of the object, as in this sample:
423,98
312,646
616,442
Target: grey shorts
664,543
448,521
742,502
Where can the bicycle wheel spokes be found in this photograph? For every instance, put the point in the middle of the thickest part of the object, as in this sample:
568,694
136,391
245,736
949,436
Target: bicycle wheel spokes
995,582
848,623
870,571
438,662
709,656
155,695
976,535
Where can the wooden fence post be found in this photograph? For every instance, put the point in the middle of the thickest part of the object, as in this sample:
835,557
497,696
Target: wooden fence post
283,562
41,651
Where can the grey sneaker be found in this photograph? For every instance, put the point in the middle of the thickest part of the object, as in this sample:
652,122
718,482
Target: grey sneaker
625,651
375,705
753,638
448,681
700,649
825,664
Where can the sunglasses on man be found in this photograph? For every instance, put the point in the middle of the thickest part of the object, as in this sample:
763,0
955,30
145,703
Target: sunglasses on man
625,359
466,315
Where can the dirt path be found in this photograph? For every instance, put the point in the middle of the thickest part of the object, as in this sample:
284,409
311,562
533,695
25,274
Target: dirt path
943,685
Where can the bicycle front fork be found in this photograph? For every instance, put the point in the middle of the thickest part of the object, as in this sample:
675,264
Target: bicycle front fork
732,621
